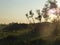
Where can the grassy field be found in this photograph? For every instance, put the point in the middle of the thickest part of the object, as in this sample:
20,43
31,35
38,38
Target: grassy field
26,35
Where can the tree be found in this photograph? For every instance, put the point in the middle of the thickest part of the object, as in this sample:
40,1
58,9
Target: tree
52,3
39,15
31,15
44,12
28,18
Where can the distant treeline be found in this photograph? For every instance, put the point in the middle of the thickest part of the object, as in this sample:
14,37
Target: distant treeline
15,26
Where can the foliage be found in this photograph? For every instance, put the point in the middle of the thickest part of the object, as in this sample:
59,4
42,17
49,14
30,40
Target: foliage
28,36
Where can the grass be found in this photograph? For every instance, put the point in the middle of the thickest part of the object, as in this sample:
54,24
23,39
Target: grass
14,33
21,37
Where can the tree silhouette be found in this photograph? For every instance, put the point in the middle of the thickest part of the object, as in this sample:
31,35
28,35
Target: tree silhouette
31,15
52,3
47,7
39,15
28,18
44,12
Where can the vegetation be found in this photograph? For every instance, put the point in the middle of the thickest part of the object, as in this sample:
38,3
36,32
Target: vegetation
30,35
44,33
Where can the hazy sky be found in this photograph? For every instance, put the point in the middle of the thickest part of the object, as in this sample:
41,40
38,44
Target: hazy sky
15,10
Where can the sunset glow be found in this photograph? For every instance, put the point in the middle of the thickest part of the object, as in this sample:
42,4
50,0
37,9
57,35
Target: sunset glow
15,10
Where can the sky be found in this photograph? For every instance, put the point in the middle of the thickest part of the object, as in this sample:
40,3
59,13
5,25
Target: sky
15,10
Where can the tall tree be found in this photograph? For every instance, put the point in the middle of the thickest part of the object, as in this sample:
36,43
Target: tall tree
44,12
